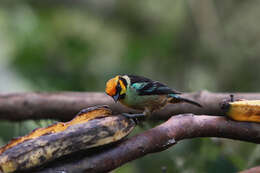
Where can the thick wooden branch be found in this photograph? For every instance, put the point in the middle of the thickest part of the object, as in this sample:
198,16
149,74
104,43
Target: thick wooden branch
65,105
160,138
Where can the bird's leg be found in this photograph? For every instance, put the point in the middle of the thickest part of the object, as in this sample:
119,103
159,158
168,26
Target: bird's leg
146,113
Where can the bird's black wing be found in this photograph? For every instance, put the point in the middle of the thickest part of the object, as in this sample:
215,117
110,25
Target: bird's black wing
145,86
156,88
138,79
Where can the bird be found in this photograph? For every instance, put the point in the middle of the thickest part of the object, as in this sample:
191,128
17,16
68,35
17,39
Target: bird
141,93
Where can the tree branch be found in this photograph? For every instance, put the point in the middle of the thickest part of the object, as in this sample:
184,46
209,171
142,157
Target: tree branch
251,170
160,138
65,105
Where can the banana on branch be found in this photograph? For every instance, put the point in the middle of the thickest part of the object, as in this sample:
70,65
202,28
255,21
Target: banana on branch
91,127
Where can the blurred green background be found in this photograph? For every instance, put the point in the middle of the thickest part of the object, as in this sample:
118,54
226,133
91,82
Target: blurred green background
190,45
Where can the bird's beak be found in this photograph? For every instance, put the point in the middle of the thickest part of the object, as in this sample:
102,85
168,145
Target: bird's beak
116,97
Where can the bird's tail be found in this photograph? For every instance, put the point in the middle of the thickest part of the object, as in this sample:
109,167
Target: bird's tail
176,99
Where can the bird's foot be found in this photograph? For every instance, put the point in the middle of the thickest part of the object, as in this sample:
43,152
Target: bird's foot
137,118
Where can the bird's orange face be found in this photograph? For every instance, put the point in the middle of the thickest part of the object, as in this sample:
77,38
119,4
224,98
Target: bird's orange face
116,88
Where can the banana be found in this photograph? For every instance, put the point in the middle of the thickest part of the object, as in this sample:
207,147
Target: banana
91,127
243,110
